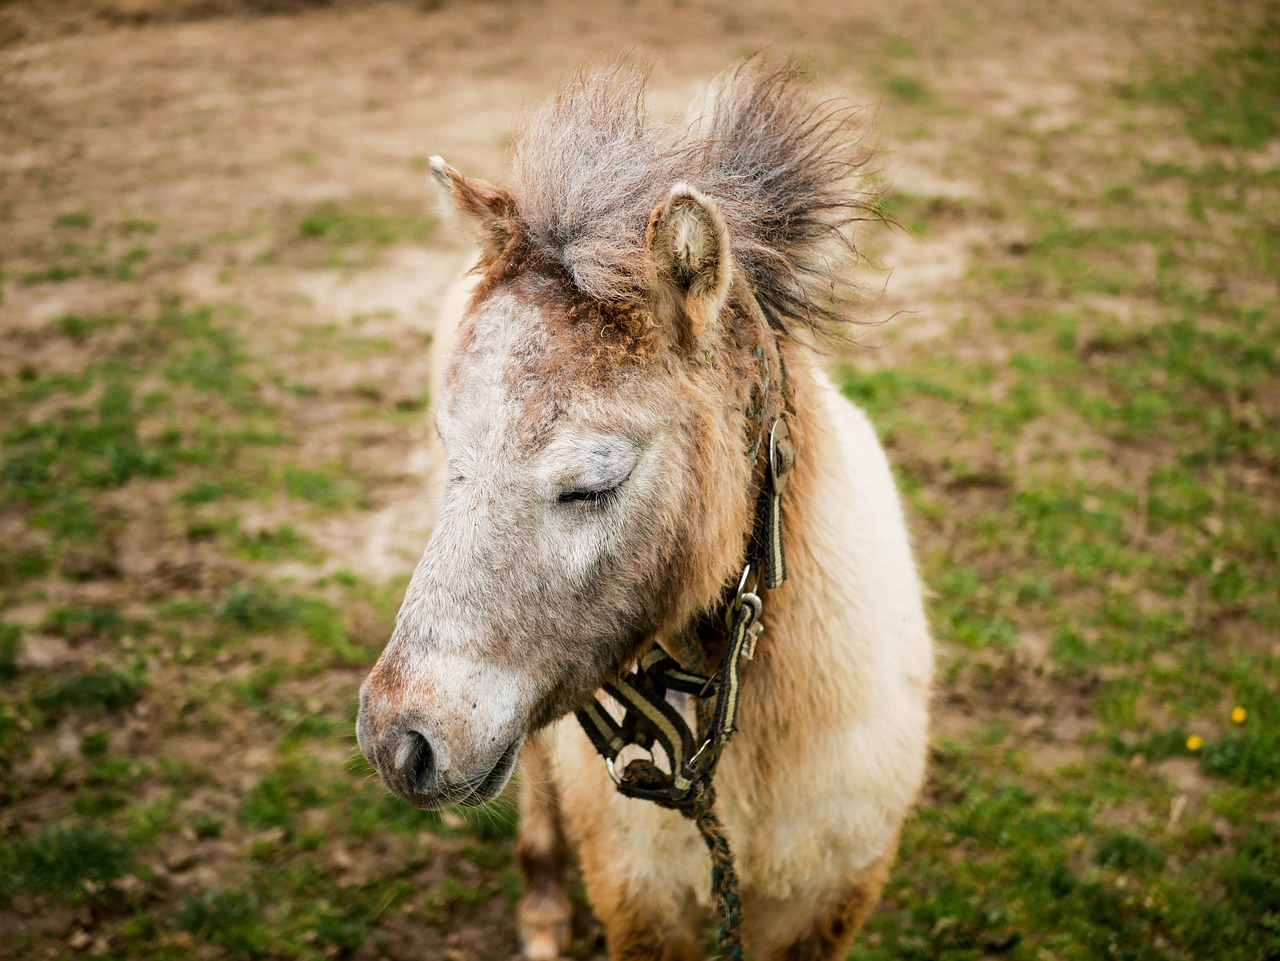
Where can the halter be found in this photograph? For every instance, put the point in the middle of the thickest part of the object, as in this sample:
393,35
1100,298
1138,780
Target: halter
648,718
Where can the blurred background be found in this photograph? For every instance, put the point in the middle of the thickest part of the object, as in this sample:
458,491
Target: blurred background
218,270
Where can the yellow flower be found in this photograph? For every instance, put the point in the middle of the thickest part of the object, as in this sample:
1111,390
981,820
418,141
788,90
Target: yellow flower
1194,742
1238,714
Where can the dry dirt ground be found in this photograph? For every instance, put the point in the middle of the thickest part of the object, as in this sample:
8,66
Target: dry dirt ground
267,160
220,121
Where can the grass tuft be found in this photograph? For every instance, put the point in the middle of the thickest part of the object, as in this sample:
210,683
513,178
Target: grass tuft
104,689
229,919
61,859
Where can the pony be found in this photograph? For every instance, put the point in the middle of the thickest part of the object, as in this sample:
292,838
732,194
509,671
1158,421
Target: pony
646,295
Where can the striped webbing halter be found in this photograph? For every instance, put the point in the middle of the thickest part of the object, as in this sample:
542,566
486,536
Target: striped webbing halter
649,718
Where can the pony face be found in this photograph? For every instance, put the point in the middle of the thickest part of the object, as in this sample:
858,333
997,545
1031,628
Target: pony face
596,495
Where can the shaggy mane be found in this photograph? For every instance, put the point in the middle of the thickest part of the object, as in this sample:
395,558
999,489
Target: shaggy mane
589,165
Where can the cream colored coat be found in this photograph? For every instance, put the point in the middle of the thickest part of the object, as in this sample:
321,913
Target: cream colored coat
830,753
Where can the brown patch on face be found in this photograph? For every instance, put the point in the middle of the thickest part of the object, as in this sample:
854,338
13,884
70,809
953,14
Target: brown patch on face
386,699
389,679
582,348
594,342
591,341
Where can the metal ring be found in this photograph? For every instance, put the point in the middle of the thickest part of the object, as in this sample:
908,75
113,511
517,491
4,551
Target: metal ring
697,754
613,772
748,575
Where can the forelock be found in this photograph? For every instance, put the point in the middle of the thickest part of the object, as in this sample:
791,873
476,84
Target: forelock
588,166
785,171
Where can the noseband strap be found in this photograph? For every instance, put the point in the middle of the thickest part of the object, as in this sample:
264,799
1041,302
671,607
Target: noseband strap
648,718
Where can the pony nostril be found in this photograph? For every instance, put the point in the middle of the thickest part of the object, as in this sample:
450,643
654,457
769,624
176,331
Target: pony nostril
415,761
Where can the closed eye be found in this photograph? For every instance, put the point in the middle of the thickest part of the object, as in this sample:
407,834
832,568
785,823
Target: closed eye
598,496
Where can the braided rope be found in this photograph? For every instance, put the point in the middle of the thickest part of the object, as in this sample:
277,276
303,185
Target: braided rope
724,879
699,807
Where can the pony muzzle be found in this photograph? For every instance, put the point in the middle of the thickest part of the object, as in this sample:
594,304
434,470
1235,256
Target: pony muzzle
434,750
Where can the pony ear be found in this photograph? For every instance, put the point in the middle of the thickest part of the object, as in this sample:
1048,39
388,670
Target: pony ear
689,243
490,209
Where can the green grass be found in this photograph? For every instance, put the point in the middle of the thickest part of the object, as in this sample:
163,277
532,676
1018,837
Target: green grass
86,249
906,90
258,608
353,224
85,622
320,487
275,801
56,274
1123,509
229,919
104,689
62,859
10,644
72,436
1232,100
349,233
281,543
78,219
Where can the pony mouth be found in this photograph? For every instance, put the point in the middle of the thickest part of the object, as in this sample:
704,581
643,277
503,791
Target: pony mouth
477,790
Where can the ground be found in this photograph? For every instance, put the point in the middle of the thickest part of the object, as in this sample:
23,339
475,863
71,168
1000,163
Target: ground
219,264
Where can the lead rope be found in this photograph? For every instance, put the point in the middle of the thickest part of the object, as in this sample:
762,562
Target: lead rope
724,879
649,720
725,900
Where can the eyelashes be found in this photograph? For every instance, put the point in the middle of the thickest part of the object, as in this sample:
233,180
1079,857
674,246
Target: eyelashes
594,498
